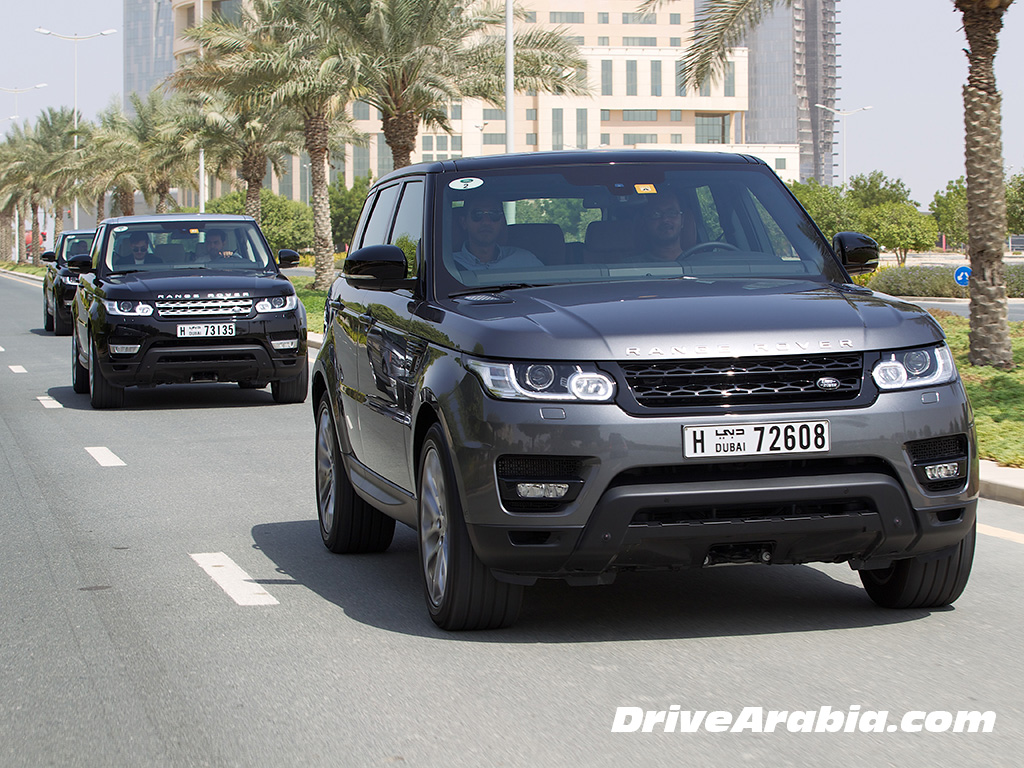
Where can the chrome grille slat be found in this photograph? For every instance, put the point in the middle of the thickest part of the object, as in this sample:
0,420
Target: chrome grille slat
204,307
681,383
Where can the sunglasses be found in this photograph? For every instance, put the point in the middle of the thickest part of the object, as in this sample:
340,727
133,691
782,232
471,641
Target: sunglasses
656,215
490,215
140,248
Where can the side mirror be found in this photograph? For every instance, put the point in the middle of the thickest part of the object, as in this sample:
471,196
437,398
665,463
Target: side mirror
48,256
286,257
82,262
857,252
377,268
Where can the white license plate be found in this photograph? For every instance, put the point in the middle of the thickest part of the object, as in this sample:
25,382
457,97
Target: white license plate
205,329
756,439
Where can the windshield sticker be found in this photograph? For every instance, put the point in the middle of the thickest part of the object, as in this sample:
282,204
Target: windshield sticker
121,228
469,182
645,189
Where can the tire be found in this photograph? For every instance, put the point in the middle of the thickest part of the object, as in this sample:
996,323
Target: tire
61,326
102,394
47,317
460,590
291,390
79,372
348,525
920,582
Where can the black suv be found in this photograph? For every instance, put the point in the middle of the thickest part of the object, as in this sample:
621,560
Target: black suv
566,365
61,282
172,299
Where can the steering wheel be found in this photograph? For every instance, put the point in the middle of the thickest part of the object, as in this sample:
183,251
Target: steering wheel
710,245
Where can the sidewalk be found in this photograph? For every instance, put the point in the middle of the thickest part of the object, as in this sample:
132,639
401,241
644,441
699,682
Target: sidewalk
997,483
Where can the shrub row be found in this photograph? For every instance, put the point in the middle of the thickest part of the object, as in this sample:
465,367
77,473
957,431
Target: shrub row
934,281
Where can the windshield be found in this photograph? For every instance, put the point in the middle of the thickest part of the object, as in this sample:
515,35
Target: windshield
161,246
625,221
74,245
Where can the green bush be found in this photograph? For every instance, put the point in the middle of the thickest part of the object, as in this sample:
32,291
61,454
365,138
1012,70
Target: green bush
286,223
935,281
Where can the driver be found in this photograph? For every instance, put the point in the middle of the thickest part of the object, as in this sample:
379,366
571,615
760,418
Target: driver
668,230
217,246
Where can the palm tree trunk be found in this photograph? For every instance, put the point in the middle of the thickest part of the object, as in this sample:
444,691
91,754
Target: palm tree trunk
33,250
986,197
317,131
58,221
254,168
22,216
6,235
101,205
162,193
400,133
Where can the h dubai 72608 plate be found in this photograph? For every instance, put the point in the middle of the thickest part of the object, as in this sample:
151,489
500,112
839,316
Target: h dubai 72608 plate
770,439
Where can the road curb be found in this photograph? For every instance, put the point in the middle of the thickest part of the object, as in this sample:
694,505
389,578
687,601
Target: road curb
997,483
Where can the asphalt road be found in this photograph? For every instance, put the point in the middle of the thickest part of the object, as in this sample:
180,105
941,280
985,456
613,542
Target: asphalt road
118,649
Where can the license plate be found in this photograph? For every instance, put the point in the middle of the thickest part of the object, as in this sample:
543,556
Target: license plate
205,329
756,439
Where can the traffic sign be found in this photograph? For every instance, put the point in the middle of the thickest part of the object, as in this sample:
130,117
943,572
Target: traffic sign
962,275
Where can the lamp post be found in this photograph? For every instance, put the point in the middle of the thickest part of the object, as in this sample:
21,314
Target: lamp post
75,39
17,91
842,114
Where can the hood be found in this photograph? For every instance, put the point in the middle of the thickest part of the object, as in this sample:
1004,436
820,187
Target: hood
686,318
149,286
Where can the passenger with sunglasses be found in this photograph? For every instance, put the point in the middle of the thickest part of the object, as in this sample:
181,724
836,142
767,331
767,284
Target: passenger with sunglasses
668,230
483,220
138,252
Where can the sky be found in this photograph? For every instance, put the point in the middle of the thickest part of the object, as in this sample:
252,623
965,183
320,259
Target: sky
903,58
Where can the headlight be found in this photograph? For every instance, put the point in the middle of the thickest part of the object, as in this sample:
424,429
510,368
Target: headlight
71,280
914,368
543,381
129,308
277,303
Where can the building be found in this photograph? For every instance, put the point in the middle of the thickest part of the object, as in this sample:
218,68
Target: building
148,46
792,65
636,98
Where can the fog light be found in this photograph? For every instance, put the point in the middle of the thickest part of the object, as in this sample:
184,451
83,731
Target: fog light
542,490
285,344
947,471
125,349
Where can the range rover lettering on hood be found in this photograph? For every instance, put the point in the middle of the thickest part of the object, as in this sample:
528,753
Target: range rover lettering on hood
214,295
727,350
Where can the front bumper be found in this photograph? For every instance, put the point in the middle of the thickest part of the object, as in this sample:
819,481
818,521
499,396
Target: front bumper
642,505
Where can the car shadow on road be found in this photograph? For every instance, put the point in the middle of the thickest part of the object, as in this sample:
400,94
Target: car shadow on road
385,591
177,397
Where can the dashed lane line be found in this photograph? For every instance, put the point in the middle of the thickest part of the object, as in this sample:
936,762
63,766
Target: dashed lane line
48,402
1001,533
105,457
239,586
17,368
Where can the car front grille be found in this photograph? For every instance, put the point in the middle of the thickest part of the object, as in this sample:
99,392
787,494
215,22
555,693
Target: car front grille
204,307
743,381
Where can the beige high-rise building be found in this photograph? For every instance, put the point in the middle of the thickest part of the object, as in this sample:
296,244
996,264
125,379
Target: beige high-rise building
635,100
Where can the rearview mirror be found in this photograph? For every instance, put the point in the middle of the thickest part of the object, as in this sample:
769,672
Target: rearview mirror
48,256
859,253
82,262
377,268
286,257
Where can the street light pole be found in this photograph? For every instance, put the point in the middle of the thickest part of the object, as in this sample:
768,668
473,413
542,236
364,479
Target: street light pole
16,91
75,39
842,114
510,76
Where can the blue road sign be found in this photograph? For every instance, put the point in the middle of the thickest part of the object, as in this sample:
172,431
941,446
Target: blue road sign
962,275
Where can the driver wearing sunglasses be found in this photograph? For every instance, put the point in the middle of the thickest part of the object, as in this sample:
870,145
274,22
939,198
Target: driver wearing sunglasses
483,221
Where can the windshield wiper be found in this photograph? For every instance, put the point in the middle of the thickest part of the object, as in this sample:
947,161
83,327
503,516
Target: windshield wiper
496,289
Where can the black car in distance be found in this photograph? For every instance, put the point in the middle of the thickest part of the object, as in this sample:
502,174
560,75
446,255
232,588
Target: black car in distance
174,299
61,282
565,365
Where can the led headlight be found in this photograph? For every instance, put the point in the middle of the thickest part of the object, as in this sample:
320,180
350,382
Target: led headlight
914,368
128,308
277,303
71,280
543,381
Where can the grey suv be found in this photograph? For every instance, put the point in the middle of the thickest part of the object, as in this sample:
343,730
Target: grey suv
566,365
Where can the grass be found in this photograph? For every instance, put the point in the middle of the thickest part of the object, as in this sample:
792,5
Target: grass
27,268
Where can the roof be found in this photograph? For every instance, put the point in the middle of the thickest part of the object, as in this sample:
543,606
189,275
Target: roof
178,217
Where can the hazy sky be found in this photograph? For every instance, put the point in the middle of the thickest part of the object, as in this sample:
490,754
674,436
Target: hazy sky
904,58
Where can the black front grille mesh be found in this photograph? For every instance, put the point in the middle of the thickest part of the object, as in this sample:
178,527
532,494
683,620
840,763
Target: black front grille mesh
742,381
541,467
938,448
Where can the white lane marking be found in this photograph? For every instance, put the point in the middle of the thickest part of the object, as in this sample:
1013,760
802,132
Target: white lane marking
237,583
1,349
105,457
1001,533
48,402
17,368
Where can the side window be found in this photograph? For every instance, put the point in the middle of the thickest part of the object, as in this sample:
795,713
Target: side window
377,226
408,230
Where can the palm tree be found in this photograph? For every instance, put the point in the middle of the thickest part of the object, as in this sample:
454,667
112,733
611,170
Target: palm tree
277,49
55,135
413,57
166,162
722,25
27,169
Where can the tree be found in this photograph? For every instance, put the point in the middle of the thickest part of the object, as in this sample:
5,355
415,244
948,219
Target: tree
285,223
830,207
875,189
950,211
412,58
721,25
346,203
901,228
1015,204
